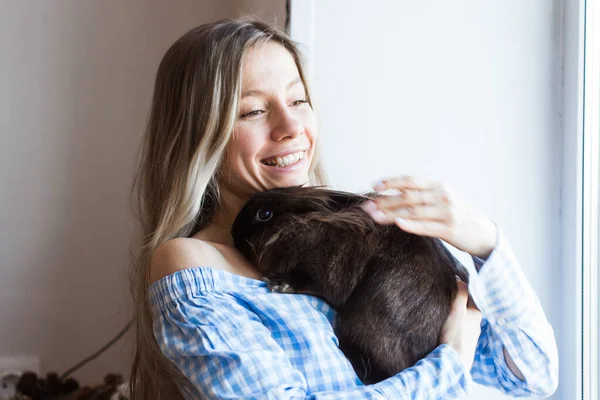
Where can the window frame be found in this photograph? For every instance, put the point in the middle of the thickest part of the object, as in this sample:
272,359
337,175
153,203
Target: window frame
590,207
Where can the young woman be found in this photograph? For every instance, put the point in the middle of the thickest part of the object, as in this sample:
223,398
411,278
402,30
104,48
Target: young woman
232,115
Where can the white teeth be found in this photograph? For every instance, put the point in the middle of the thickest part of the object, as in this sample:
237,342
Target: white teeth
286,160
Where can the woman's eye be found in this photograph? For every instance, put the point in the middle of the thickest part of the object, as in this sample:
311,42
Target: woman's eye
252,114
298,102
264,215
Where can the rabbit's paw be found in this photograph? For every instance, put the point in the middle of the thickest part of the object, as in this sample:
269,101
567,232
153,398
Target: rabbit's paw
278,285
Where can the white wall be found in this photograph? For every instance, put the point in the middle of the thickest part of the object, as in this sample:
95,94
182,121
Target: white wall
76,81
464,92
272,11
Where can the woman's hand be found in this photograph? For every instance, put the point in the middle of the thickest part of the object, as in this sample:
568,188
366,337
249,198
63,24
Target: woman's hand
463,326
428,208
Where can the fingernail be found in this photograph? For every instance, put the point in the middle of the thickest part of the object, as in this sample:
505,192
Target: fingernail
379,185
403,222
368,206
378,214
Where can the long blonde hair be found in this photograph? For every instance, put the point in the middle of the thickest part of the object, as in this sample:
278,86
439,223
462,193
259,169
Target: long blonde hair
175,192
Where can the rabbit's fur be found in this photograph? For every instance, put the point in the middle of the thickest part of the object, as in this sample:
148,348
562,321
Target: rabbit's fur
392,290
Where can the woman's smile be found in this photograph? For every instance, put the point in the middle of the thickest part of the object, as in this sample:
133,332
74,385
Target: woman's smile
293,162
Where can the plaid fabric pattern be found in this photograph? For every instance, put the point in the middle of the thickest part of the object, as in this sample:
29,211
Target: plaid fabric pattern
515,320
234,339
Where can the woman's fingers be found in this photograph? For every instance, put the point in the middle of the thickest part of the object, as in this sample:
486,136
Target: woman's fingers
463,326
431,228
429,208
421,212
419,220
419,199
462,296
407,182
414,197
378,215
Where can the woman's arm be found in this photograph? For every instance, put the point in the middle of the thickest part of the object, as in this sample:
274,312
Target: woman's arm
225,359
517,349
515,330
226,351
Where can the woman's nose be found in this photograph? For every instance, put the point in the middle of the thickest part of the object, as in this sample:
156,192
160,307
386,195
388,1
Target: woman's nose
286,126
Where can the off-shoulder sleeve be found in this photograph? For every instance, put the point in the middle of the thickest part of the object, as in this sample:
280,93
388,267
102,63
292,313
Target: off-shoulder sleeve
513,319
225,351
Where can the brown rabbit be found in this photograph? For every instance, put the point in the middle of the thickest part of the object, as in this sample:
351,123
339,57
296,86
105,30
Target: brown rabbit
392,290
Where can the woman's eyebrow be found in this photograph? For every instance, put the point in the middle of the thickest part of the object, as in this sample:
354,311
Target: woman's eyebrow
255,92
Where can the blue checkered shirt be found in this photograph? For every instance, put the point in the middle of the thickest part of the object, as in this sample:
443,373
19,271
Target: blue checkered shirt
234,339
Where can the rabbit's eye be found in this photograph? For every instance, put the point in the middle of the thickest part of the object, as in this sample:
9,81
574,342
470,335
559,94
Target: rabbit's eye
264,215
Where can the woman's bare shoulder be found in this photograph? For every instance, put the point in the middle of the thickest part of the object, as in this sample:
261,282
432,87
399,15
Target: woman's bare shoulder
182,253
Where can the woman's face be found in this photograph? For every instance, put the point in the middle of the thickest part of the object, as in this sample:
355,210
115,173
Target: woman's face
274,137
